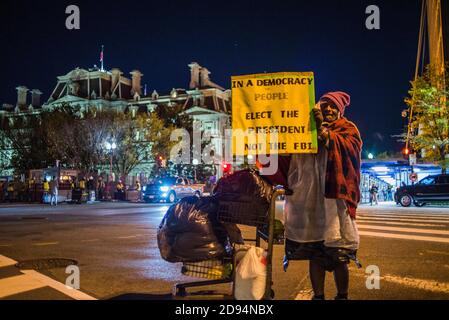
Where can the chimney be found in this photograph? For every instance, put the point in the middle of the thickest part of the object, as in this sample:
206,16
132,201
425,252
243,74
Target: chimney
206,81
195,75
36,98
205,78
136,82
115,78
21,96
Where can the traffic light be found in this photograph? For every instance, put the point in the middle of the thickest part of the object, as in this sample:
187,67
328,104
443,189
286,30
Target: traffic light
226,168
406,153
161,162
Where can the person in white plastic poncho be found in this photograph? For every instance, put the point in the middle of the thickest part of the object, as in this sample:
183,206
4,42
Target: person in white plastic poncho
320,214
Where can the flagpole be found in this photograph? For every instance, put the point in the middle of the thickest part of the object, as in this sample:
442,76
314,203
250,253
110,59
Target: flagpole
102,58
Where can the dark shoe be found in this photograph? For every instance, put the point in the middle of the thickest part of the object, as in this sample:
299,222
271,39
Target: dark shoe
341,297
319,298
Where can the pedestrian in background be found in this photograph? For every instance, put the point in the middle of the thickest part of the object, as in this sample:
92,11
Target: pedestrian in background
54,190
385,194
373,194
72,182
46,191
82,184
91,188
390,192
101,188
23,191
120,190
139,189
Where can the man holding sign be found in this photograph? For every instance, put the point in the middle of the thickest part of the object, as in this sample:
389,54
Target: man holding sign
316,157
320,214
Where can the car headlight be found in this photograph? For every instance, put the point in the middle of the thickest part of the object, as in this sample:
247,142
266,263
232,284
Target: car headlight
164,189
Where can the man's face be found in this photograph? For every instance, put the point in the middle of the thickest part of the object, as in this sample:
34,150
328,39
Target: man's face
330,112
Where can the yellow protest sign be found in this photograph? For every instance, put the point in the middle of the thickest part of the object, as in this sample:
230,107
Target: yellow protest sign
271,114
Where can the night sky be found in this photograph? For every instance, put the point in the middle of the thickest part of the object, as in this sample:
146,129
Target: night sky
229,38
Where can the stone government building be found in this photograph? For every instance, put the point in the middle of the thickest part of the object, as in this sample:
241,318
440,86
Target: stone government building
204,100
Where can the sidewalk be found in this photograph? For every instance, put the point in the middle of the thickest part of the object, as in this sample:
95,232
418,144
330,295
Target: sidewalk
381,204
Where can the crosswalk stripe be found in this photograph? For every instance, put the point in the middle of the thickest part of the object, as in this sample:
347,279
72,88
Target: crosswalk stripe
438,252
407,216
411,230
15,285
429,285
400,219
72,293
32,280
421,211
6,262
403,236
306,294
404,224
45,244
422,226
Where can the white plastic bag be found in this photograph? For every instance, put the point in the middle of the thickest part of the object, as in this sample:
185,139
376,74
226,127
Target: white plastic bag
251,274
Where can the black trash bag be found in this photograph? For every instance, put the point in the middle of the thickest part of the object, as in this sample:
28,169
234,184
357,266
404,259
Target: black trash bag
190,232
248,188
234,232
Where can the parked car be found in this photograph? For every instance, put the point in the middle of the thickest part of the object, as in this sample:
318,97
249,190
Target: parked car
171,190
430,189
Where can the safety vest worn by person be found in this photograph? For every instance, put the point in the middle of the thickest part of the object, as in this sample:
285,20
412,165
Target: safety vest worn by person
46,186
82,185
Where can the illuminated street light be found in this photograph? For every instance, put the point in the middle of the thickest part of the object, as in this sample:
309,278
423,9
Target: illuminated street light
371,156
110,147
195,162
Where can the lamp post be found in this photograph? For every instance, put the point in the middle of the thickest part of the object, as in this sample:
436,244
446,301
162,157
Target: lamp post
110,147
195,163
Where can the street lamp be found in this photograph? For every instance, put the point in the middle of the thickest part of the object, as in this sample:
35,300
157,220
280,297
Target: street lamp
371,156
110,147
195,162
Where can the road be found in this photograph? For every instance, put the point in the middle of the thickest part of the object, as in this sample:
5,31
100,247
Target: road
115,247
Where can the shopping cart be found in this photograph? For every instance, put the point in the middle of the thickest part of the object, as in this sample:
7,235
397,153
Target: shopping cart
223,271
